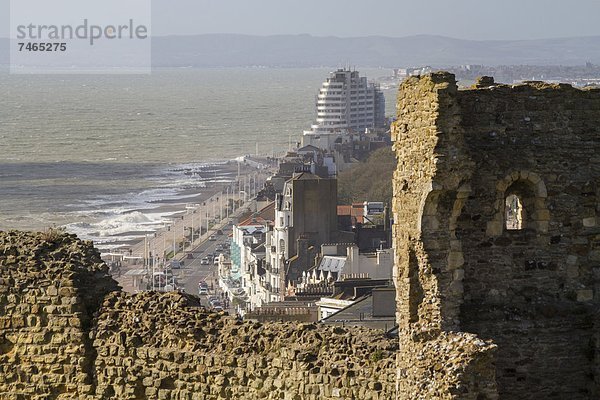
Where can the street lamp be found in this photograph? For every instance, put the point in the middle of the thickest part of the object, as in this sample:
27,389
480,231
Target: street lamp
174,243
227,204
207,220
192,241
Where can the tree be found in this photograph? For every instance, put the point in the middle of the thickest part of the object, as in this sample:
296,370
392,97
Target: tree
370,180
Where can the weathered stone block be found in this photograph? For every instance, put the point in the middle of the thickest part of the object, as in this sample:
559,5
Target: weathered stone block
585,295
455,259
589,222
572,271
494,228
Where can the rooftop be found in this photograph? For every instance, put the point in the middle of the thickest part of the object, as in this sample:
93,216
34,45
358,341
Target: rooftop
360,314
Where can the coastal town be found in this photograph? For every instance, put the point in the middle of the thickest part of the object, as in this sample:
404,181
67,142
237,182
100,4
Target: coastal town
289,294
210,200
276,244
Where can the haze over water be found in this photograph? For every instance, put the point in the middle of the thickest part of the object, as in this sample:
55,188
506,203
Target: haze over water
91,149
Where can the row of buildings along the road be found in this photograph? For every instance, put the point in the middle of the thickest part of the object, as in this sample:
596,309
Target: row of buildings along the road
301,256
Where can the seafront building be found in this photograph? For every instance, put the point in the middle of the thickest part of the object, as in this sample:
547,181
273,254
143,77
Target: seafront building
248,252
293,250
305,218
346,104
277,244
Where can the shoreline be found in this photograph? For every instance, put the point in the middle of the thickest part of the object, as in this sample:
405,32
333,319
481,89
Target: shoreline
117,221
127,228
210,207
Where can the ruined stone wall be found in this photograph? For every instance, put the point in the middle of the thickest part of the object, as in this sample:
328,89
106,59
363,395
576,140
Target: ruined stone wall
66,332
533,291
435,360
48,292
164,346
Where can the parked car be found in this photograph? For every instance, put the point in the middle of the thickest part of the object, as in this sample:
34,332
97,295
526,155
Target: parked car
170,288
203,291
219,232
218,308
212,238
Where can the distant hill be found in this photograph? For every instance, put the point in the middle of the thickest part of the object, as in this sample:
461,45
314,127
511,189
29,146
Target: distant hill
232,50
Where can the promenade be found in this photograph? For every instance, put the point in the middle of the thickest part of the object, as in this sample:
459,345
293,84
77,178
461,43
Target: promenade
185,231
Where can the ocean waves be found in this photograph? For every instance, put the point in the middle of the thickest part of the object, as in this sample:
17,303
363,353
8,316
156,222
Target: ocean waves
111,204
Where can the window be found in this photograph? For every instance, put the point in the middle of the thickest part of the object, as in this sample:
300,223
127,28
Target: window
281,246
521,204
514,213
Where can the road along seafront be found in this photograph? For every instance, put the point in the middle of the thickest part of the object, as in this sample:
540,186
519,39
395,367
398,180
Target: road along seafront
183,233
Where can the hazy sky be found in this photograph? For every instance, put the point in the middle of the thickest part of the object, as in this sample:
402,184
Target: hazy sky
467,19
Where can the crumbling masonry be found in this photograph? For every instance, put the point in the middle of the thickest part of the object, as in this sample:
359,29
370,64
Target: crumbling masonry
67,332
498,235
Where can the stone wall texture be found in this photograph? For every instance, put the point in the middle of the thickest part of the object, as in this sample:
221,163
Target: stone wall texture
50,286
487,311
67,332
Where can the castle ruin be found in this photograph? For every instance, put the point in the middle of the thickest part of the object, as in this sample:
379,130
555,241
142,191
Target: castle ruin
497,235
497,241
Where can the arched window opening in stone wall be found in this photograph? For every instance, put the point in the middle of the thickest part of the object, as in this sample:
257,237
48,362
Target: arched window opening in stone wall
514,213
526,213
519,206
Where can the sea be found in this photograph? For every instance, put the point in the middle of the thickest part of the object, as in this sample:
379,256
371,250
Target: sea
108,157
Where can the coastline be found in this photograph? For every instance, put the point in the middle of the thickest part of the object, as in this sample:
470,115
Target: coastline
208,208
140,214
